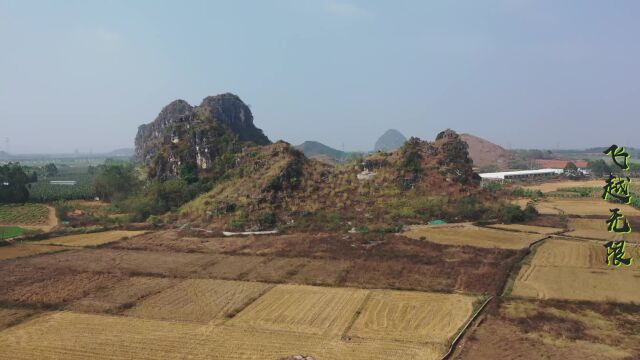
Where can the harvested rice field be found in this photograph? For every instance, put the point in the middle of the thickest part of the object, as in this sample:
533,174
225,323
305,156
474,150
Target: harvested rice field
123,294
92,239
304,309
597,229
527,228
22,250
472,236
582,207
72,336
412,316
199,300
577,270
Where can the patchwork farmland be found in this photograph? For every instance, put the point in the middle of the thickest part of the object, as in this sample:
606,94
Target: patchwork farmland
172,295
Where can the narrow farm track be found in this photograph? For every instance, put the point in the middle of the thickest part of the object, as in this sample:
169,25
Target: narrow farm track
457,346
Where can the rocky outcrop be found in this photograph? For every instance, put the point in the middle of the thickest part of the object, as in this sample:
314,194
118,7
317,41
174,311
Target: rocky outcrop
448,155
187,138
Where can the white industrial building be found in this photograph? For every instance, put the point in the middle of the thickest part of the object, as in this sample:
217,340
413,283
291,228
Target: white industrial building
521,174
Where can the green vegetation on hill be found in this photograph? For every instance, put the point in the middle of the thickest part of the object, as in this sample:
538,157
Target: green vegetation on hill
277,185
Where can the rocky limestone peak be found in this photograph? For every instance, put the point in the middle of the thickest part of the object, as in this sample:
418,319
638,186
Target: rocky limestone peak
196,137
229,110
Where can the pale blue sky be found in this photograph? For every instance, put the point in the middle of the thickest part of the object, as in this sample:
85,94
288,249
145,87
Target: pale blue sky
85,74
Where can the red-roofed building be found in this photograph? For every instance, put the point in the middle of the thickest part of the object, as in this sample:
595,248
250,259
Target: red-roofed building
560,164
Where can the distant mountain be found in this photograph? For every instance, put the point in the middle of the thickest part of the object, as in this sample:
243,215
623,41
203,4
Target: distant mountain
124,152
315,149
389,141
4,155
485,153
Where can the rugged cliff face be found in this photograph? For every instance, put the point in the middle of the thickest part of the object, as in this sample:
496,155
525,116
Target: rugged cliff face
195,139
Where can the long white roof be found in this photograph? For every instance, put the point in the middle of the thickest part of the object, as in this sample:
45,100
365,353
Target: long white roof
501,175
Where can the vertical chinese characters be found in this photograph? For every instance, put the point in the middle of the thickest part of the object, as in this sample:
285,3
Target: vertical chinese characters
617,188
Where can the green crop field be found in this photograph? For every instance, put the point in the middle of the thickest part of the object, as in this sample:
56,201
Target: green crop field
27,214
10,231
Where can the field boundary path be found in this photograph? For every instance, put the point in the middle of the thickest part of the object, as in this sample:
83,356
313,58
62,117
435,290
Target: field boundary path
454,350
457,339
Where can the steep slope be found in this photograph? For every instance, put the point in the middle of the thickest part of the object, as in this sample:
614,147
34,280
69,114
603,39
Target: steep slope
485,153
391,140
196,138
314,148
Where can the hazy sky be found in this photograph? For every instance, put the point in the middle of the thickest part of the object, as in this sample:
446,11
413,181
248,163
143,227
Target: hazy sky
544,73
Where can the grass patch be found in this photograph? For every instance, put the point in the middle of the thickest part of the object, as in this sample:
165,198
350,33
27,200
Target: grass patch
7,232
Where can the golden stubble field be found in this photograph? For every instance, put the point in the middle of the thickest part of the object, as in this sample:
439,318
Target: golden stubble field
466,234
305,309
580,207
22,250
328,323
597,229
73,336
554,186
412,316
527,228
92,239
199,300
576,270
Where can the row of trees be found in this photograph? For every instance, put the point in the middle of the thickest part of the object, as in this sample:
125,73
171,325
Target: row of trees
13,184
120,184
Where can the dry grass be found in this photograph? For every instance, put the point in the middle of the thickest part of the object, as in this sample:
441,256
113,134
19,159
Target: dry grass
527,228
524,329
57,291
233,267
412,316
22,250
578,253
582,207
125,262
554,186
199,300
10,317
92,239
472,235
321,272
121,295
304,309
597,229
73,336
276,270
